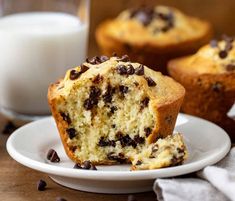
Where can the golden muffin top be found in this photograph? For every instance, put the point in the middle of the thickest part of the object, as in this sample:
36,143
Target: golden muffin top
159,26
214,58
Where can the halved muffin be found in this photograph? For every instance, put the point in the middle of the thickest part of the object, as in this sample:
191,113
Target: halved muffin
109,110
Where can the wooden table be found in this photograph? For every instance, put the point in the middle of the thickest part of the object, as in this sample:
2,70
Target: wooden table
18,183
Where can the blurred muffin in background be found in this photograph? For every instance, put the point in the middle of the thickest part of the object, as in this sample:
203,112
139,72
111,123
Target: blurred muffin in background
153,35
209,79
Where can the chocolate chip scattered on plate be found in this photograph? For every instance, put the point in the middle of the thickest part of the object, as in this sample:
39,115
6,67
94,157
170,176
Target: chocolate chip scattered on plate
53,156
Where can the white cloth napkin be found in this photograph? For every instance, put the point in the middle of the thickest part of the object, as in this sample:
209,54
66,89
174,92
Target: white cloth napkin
213,183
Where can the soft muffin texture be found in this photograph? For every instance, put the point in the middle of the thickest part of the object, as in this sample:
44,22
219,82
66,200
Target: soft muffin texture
108,110
153,35
209,79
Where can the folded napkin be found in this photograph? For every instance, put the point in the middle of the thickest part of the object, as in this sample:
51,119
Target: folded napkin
213,183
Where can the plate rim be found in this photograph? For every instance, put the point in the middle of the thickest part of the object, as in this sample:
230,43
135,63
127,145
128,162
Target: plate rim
117,175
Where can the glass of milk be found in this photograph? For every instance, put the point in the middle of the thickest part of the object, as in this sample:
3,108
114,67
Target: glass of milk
39,41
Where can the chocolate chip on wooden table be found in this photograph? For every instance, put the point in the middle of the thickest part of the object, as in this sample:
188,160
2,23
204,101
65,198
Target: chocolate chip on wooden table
71,132
53,156
60,199
131,198
41,185
9,128
150,81
122,69
139,70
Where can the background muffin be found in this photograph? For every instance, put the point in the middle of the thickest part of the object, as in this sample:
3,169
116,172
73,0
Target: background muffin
209,80
152,35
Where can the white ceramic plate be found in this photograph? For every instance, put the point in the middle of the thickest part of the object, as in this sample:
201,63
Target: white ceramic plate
206,142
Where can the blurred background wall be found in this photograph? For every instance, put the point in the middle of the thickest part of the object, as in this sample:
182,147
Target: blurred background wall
221,13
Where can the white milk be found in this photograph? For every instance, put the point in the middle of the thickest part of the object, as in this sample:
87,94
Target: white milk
36,48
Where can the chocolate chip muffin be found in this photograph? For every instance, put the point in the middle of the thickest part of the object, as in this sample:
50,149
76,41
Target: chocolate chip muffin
152,36
209,79
109,110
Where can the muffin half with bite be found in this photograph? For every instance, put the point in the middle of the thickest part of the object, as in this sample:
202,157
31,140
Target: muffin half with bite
153,35
209,79
109,110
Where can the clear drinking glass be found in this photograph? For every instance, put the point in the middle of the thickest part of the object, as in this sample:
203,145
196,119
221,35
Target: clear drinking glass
39,41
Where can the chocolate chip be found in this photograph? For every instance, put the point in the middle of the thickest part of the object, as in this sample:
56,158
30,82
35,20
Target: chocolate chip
144,103
74,74
138,162
88,104
217,87
84,68
123,89
122,69
93,60
147,131
113,126
150,81
107,97
94,92
139,70
103,142
127,141
124,58
223,54
113,109
130,69
230,67
103,58
112,143
144,15
9,128
180,150
87,165
98,78
65,117
131,198
41,185
138,139
53,156
77,166
71,132
213,43
93,167
97,60
60,199
119,158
